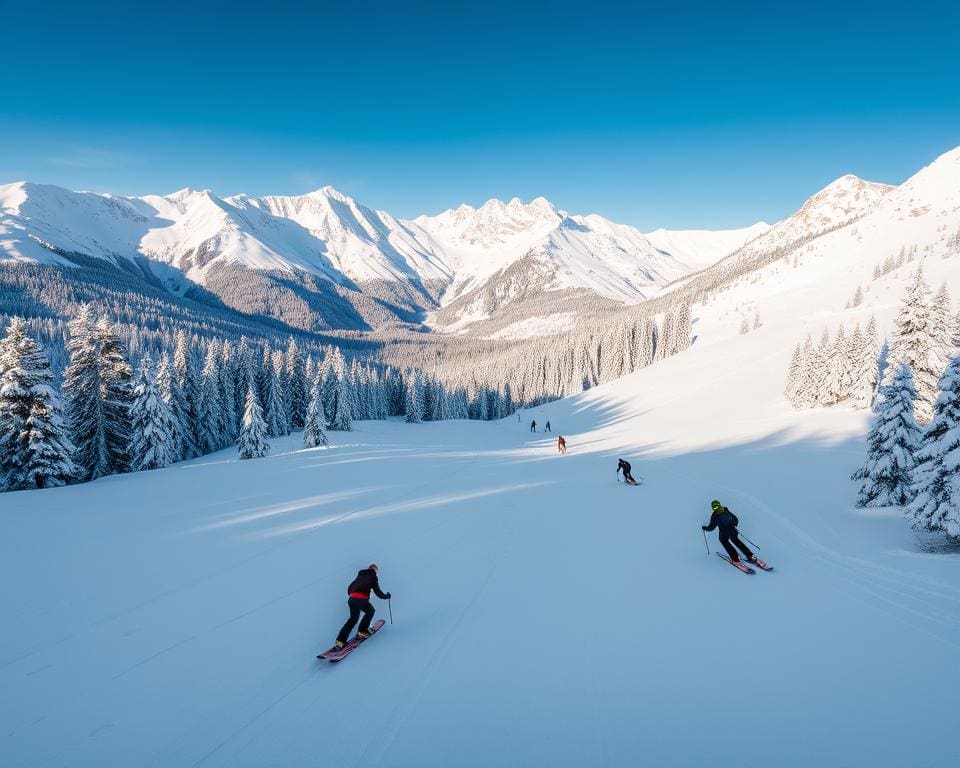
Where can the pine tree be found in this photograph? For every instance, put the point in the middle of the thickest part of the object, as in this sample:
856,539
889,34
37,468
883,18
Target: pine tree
188,396
886,475
792,388
838,379
413,410
34,448
936,478
170,392
941,323
152,443
276,412
253,433
297,383
341,419
97,385
313,434
915,344
209,405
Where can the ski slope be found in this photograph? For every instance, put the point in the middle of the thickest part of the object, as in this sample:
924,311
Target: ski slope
544,614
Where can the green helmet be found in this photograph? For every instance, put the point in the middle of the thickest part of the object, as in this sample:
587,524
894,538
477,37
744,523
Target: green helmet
715,505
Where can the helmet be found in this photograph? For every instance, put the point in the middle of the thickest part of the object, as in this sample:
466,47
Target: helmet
715,505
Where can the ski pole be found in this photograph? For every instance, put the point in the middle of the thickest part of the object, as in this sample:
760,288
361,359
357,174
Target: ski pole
748,540
390,608
705,540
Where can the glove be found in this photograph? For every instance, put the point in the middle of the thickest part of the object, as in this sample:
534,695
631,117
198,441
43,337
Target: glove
703,527
389,595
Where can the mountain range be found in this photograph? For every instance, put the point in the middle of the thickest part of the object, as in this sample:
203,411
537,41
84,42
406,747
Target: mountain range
323,261
356,268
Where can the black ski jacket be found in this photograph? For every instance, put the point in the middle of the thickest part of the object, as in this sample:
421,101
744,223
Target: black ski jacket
365,581
725,520
624,465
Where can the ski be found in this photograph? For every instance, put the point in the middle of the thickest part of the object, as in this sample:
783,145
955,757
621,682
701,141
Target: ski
338,654
738,565
761,565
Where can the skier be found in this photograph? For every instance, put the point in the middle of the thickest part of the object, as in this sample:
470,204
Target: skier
533,425
625,466
547,427
727,522
561,445
358,601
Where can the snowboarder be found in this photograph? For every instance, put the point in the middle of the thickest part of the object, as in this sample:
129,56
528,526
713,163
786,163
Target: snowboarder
625,467
533,425
561,445
547,427
358,600
727,522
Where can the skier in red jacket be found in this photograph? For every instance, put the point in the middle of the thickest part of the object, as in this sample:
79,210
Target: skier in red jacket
358,600
561,445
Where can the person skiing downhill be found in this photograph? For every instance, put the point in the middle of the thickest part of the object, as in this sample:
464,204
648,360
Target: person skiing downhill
561,445
727,522
533,425
358,600
625,467
546,427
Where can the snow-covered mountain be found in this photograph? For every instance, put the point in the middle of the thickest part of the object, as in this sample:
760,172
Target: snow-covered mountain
699,248
410,266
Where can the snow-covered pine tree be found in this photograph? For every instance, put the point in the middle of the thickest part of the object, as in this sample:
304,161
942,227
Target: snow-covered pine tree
169,391
915,344
341,419
151,443
838,379
744,327
936,478
313,433
34,448
894,436
253,432
116,379
684,329
863,369
792,388
229,427
413,409
296,376
97,385
818,369
941,321
209,405
275,413
187,395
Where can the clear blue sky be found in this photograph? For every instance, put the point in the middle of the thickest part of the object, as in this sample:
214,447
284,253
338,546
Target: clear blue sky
661,114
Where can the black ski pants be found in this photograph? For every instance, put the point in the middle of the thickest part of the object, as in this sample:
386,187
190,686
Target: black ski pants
357,606
728,540
629,478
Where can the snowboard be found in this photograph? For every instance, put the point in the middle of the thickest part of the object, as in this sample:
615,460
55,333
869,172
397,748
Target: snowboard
739,566
339,654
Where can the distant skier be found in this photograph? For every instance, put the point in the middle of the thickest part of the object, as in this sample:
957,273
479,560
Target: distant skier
358,600
624,466
546,427
561,445
533,425
727,522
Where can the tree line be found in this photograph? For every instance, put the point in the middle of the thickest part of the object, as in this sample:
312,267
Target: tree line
913,446
203,395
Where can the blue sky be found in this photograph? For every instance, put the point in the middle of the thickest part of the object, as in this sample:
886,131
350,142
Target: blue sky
657,114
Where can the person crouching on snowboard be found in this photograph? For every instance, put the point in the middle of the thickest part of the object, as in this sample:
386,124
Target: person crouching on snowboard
727,522
625,467
358,600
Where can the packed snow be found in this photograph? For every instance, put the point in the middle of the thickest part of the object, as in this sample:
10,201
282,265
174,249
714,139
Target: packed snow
543,613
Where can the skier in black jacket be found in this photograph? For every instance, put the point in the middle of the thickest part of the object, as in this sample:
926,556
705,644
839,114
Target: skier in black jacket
727,522
358,600
625,466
